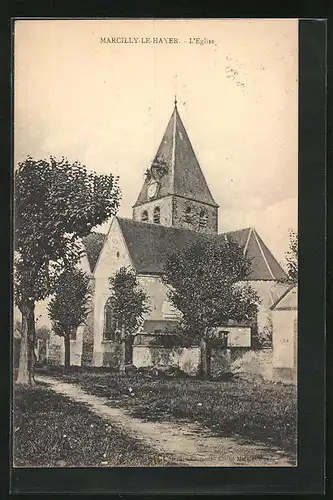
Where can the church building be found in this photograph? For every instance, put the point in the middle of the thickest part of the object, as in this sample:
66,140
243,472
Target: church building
174,207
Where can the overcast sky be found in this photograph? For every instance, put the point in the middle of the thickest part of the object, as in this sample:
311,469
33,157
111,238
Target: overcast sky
107,105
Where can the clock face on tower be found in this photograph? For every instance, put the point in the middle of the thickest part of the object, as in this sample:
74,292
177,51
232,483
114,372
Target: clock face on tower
152,189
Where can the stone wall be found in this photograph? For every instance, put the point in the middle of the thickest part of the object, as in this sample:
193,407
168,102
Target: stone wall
165,206
111,354
179,219
253,363
172,213
260,363
188,359
56,349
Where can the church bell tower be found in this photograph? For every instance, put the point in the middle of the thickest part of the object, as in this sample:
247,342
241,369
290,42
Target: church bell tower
175,192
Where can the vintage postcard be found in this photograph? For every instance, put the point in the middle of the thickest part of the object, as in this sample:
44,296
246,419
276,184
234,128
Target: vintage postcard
155,243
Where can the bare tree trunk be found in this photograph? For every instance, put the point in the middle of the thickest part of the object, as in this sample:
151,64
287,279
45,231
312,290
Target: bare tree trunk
205,351
122,363
30,363
204,357
26,346
31,344
129,350
209,357
67,340
23,372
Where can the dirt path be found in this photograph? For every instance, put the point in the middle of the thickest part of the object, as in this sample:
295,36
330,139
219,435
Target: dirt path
186,444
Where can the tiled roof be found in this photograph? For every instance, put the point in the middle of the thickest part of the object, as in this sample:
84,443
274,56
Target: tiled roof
263,262
184,177
149,245
93,244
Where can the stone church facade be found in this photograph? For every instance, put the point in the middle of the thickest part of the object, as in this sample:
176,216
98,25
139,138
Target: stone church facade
174,207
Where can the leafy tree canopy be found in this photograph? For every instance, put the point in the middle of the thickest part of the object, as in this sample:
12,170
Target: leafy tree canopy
68,307
292,256
56,204
129,302
206,284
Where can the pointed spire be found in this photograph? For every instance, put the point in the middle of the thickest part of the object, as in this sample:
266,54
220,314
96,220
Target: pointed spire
184,177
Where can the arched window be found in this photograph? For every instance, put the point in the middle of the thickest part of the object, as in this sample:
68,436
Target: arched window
144,216
110,325
203,218
157,215
188,214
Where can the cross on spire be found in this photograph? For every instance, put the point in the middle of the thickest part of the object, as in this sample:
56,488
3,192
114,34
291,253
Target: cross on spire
175,91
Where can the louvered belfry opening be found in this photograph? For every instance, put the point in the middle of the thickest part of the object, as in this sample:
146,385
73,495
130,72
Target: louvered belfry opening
188,214
157,215
203,218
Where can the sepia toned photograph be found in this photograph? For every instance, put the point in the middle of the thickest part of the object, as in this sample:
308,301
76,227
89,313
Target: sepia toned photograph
155,243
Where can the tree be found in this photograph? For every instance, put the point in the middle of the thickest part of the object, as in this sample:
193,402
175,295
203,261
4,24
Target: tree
56,204
129,304
206,284
68,307
29,285
292,256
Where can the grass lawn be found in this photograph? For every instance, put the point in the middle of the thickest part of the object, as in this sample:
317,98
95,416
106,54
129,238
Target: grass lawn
249,408
50,430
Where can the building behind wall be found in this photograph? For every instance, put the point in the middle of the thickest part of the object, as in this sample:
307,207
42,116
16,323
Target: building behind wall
285,335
